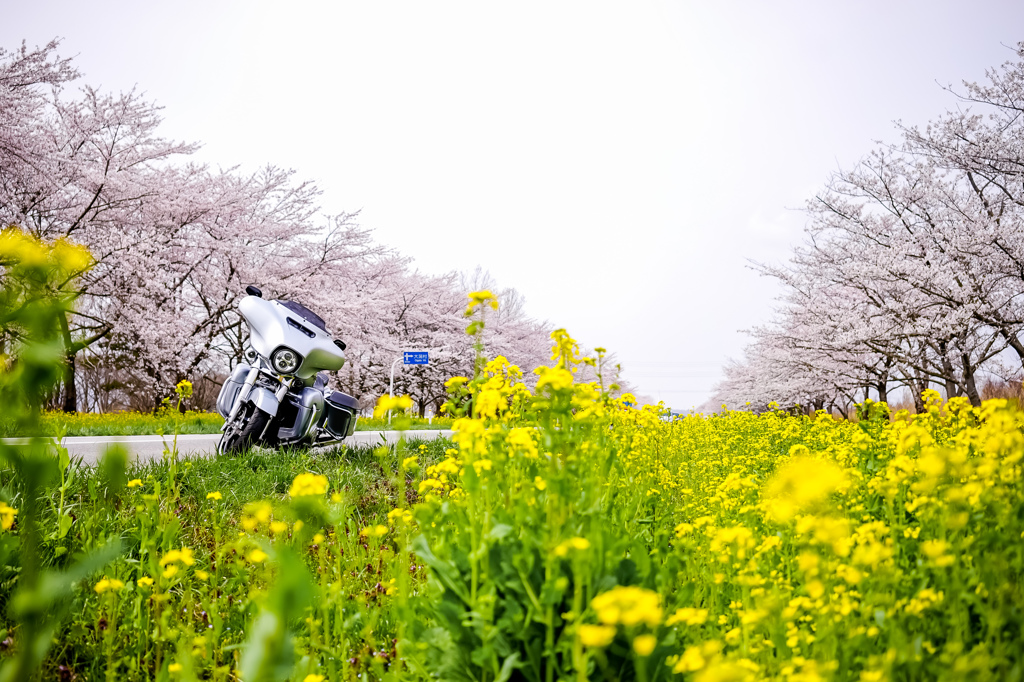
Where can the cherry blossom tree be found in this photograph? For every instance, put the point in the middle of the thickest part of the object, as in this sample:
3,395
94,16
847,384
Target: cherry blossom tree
175,243
982,142
912,270
80,168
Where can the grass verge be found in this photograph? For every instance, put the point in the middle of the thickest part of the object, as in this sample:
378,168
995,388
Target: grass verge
168,422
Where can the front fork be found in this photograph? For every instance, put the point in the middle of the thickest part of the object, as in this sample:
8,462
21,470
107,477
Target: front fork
279,394
246,390
243,394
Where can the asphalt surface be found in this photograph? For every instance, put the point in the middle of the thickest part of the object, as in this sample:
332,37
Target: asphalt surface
148,448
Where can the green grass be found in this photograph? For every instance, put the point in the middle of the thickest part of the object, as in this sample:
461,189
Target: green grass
363,477
417,423
266,474
167,422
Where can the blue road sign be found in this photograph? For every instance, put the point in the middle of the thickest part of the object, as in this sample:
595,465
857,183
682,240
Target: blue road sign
416,357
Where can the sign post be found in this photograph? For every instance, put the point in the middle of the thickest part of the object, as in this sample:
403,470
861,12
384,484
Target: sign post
415,357
409,357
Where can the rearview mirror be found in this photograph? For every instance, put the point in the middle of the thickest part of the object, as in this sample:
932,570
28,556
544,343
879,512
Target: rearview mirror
253,291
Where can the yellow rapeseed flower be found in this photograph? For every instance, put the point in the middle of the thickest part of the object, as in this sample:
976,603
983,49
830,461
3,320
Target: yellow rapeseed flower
556,378
20,249
184,389
521,441
184,555
481,298
688,616
489,403
215,495
596,635
135,483
697,657
70,256
644,644
937,551
803,483
108,585
578,544
403,515
7,514
387,403
374,531
308,484
428,484
628,605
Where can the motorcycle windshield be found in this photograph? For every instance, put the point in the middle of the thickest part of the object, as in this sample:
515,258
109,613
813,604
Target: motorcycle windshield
305,313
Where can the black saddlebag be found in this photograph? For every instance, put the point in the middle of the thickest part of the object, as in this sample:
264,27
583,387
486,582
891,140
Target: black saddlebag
341,411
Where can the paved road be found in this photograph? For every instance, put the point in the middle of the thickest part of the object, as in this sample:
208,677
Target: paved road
147,448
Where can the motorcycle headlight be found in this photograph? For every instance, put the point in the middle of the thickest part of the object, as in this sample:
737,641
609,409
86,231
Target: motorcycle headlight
285,360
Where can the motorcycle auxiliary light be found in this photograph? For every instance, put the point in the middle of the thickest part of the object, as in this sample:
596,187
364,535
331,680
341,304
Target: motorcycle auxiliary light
285,360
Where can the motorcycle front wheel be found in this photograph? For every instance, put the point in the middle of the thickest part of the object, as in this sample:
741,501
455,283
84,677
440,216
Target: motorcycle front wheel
244,431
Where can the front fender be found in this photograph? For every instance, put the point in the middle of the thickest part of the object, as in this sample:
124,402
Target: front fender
264,399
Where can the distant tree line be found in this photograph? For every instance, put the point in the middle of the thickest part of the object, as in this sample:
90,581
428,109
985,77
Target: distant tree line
911,273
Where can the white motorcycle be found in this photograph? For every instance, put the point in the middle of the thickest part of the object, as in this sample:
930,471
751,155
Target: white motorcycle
279,397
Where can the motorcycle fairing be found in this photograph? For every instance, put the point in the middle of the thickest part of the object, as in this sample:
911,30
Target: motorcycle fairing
269,329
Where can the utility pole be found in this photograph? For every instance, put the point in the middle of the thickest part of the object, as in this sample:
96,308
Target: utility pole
391,386
409,358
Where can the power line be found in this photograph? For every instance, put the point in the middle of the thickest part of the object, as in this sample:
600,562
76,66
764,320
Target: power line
678,390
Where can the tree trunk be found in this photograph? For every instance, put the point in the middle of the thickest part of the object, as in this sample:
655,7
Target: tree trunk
917,387
70,351
948,374
70,390
883,391
972,388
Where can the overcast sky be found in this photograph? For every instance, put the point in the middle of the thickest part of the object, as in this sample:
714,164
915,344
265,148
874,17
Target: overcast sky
618,163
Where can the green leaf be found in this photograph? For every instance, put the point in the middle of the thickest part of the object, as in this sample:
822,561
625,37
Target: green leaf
499,531
112,470
507,668
265,655
269,652
55,586
64,525
448,574
63,458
